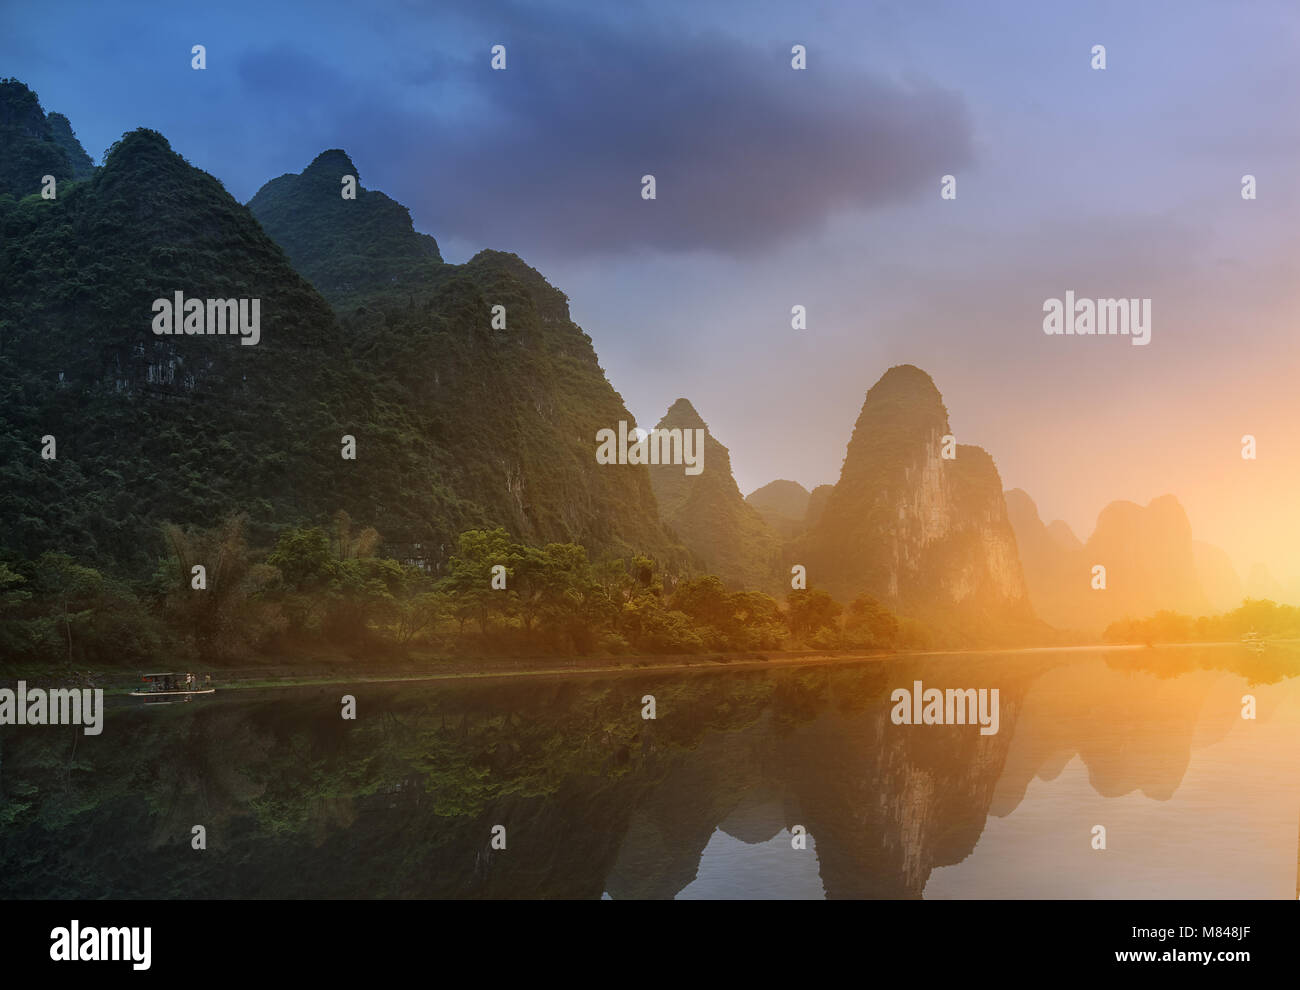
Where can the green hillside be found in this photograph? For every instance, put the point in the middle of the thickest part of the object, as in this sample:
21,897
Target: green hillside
185,429
514,410
726,533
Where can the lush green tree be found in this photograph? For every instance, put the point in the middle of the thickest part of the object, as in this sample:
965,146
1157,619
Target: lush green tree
651,627
56,608
303,558
69,592
705,600
809,610
228,616
869,623
469,575
758,621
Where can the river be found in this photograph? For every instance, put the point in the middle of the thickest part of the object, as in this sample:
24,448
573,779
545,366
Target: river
789,782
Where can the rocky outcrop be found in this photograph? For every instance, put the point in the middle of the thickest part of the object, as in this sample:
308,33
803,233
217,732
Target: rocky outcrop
924,532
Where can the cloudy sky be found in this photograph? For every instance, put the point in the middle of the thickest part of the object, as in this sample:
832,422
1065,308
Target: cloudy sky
818,188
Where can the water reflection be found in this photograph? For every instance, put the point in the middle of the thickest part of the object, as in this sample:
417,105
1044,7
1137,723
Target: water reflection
700,802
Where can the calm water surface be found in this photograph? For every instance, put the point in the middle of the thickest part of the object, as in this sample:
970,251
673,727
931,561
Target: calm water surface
701,802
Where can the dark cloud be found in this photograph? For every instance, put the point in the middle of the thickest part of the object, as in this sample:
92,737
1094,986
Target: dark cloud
746,151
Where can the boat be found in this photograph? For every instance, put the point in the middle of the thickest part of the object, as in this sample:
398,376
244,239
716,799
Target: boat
1253,641
174,686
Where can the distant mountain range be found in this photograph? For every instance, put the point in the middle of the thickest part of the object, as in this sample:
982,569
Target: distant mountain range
474,401
1152,564
457,424
1147,552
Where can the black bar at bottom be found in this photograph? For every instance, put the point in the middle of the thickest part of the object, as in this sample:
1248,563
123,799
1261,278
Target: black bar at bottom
328,940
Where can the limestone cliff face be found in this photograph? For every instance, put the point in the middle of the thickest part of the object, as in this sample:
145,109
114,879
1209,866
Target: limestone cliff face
904,524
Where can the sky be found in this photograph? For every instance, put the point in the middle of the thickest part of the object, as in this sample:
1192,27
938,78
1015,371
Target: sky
820,188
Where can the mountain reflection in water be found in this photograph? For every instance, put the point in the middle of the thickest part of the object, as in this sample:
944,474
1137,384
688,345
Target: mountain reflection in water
702,801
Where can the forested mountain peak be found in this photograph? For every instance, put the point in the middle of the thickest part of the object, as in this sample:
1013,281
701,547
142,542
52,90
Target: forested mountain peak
354,244
33,145
707,512
329,165
682,415
148,427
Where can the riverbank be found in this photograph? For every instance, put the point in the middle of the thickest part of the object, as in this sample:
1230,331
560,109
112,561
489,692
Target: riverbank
349,670
338,669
